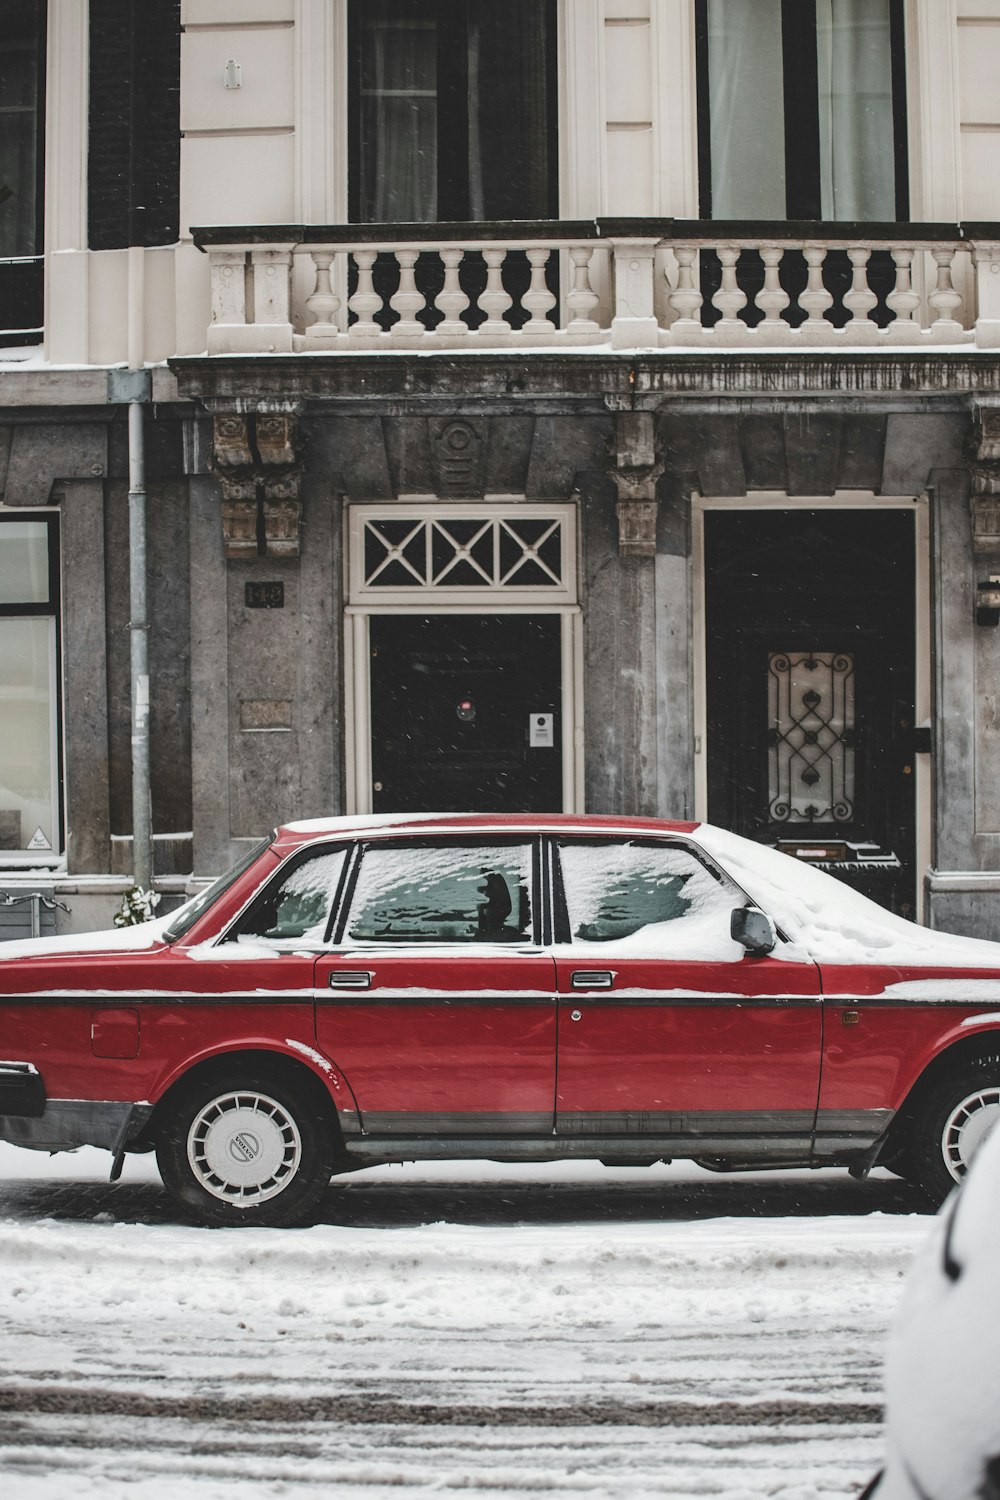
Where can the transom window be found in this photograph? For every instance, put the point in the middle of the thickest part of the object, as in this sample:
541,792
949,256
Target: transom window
521,553
802,109
454,894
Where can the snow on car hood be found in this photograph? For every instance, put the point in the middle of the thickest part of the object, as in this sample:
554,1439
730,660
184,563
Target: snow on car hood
835,924
113,940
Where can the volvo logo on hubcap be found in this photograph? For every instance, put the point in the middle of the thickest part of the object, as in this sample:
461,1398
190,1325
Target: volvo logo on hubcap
244,1146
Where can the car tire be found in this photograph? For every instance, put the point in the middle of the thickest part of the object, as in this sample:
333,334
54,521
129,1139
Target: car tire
247,1147
951,1123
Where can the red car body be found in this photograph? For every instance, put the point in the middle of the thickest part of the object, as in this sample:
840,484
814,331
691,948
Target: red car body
500,1031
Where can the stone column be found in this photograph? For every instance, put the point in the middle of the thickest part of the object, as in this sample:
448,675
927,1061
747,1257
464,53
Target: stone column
85,678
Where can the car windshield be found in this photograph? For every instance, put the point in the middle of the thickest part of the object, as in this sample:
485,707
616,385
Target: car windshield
186,915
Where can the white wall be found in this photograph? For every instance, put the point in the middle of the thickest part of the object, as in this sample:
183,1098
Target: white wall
274,150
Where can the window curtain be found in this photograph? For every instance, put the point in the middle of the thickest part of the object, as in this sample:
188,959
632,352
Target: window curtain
19,65
747,124
508,108
398,145
857,175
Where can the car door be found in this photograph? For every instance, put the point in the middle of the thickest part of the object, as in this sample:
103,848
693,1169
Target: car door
667,1027
436,997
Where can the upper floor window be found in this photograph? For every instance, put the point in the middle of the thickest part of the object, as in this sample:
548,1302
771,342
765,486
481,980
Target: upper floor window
22,134
134,138
452,110
802,109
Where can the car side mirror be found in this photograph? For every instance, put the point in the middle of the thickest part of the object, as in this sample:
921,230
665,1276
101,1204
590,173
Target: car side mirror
754,929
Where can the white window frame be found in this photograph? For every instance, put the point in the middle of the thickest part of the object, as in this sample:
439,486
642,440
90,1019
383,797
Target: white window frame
56,856
365,601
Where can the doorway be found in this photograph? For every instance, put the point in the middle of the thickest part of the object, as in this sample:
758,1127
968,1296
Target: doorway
466,713
811,688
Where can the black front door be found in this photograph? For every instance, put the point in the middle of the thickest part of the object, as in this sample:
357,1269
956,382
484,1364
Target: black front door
466,713
810,688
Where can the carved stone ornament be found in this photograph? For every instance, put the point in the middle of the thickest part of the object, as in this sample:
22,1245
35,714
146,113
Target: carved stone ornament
458,453
985,523
637,528
255,462
635,471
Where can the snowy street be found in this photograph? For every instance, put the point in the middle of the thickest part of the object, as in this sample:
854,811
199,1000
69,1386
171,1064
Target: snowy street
462,1329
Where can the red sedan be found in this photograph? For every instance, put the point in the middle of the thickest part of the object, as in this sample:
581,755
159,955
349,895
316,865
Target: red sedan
368,990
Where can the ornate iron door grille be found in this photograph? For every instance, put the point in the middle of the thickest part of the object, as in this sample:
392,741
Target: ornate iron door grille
811,737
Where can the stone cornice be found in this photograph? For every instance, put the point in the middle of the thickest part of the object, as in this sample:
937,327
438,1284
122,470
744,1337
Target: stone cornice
597,380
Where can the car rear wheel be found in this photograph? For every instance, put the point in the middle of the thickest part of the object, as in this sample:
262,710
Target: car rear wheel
247,1148
956,1117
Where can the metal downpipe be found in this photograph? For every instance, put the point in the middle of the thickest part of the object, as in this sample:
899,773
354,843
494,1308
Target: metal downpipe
142,815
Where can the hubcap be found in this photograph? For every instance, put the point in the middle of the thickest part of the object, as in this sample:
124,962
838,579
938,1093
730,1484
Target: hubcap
967,1127
244,1148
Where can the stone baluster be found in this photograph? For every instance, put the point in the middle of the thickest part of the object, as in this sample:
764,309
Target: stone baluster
772,299
946,301
816,298
366,300
451,300
903,300
495,300
860,299
581,299
538,300
685,299
323,303
406,300
730,298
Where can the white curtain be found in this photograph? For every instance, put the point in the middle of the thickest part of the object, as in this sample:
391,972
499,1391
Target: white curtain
747,109
398,145
857,169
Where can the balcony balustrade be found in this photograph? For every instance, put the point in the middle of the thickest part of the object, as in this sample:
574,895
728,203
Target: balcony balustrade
623,284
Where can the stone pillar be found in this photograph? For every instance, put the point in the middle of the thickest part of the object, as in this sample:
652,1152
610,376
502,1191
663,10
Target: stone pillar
85,678
209,683
635,473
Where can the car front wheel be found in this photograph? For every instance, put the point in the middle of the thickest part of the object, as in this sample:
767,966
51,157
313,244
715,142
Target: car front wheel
247,1148
957,1115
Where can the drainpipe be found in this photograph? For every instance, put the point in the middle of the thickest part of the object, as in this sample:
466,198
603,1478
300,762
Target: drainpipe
142,811
132,387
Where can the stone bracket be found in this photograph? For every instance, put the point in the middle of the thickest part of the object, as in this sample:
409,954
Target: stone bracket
256,463
985,472
635,470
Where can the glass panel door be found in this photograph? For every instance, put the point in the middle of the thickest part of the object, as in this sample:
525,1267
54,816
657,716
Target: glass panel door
29,804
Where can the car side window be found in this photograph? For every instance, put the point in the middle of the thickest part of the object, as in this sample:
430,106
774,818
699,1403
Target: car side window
456,894
295,906
659,897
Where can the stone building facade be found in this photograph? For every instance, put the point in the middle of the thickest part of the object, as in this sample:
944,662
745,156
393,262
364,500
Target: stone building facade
671,498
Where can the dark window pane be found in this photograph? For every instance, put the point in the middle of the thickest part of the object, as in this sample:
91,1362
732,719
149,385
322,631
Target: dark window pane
453,110
22,33
133,181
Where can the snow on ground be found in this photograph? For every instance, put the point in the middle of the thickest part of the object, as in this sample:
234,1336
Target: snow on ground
465,1329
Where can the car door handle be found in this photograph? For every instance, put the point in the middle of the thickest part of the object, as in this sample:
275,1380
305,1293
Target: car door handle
591,979
350,979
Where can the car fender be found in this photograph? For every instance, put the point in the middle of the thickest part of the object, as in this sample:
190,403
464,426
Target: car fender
306,1054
